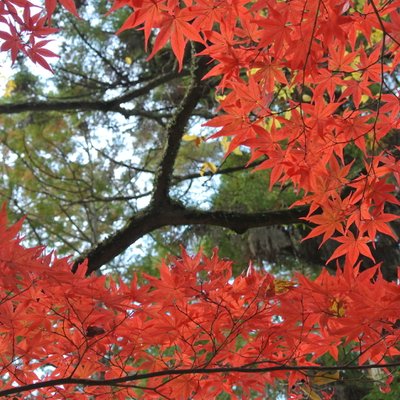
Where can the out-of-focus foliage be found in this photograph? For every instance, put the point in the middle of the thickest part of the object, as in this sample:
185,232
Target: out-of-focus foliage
78,174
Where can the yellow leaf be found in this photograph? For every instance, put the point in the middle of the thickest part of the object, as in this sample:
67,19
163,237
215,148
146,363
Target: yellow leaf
376,36
282,286
189,138
354,75
285,92
193,138
252,71
237,151
225,142
10,87
208,166
324,378
271,122
288,115
306,97
128,60
219,97
337,307
310,393
355,62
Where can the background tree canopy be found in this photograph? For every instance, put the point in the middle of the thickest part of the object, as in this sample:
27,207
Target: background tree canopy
108,159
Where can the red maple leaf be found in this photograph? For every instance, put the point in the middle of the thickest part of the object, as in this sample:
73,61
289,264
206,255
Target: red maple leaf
175,27
352,246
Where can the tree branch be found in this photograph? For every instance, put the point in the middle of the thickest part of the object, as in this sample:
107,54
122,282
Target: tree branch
175,214
228,170
189,371
90,105
176,129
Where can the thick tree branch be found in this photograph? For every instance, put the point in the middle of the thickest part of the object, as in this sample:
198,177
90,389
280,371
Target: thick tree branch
174,214
90,105
176,129
179,372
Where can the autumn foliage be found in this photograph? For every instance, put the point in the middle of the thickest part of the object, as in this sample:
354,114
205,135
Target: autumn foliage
309,87
302,82
194,332
27,25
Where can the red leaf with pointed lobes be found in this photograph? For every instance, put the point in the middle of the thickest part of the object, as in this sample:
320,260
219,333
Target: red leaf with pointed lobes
150,13
176,28
352,246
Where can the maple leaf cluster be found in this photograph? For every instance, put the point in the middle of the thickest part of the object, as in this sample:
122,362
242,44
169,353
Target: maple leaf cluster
304,84
194,332
24,27
304,87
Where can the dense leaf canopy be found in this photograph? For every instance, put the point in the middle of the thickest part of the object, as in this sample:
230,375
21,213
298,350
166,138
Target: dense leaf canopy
193,332
112,150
